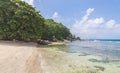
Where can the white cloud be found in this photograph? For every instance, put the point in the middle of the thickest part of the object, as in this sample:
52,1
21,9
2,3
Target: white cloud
88,12
110,24
55,15
31,2
60,19
95,28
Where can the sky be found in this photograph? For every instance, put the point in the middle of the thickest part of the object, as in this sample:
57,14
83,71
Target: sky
88,19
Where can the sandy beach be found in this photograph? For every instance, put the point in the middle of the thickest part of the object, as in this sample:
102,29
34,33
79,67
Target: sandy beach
19,58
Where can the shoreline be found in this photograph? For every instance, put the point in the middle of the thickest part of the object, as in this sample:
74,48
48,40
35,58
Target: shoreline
64,62
22,57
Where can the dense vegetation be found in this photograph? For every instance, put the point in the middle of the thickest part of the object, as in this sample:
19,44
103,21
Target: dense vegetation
20,21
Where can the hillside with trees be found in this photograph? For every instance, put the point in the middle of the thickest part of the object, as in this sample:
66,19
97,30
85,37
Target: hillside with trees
20,21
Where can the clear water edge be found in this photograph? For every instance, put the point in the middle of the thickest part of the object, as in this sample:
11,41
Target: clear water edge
103,55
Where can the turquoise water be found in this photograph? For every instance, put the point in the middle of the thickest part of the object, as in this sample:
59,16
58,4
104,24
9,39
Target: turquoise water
106,48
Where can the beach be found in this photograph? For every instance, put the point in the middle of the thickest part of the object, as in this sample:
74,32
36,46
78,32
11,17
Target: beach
28,58
19,58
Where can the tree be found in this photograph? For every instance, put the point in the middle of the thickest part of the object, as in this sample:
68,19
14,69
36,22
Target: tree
55,29
20,21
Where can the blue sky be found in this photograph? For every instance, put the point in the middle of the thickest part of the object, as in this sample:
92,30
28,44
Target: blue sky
85,18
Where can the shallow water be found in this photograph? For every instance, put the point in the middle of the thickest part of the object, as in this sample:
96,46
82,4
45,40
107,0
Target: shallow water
85,57
106,49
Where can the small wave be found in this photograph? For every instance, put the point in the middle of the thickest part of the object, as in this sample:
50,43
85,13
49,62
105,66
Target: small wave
108,41
96,41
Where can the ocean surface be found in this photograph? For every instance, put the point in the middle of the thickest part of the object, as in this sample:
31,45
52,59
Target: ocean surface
104,47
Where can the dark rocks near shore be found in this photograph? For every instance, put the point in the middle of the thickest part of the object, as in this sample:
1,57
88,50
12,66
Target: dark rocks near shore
43,42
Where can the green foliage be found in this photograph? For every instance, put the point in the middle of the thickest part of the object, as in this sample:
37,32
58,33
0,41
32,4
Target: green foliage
55,29
19,20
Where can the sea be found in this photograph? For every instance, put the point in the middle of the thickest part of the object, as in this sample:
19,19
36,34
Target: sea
109,48
98,55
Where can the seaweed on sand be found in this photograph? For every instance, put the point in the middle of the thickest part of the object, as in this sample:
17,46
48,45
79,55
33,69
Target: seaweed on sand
82,69
102,61
106,60
99,68
83,54
93,60
118,66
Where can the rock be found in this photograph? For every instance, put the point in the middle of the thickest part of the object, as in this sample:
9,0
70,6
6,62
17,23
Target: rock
43,42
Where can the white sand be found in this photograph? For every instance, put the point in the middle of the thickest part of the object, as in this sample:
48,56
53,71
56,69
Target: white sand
19,59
